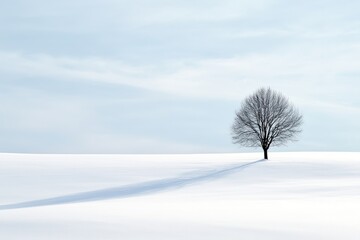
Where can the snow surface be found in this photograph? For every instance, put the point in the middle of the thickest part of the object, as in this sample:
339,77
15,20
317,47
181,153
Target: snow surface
200,196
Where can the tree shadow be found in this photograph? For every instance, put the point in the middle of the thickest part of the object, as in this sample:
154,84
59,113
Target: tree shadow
133,190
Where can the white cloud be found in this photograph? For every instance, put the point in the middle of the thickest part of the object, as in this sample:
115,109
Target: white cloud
97,15
198,50
308,72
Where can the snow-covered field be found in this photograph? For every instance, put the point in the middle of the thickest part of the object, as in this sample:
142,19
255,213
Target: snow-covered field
169,197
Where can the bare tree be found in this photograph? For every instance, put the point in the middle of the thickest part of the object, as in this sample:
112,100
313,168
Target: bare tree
266,118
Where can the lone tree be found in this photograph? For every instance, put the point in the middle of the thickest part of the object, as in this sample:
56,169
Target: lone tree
266,118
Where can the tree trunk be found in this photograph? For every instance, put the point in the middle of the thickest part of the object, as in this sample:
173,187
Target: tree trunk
265,154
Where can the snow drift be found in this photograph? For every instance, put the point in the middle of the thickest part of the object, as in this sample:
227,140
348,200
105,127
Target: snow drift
200,196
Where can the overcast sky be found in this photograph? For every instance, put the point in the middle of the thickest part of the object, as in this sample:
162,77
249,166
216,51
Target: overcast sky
137,76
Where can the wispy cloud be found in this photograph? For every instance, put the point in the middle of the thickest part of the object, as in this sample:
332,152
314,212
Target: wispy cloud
290,70
62,63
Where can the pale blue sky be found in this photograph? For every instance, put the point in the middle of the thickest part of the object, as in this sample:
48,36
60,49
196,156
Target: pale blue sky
106,76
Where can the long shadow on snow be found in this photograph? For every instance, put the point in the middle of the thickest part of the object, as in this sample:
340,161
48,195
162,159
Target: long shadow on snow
130,190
